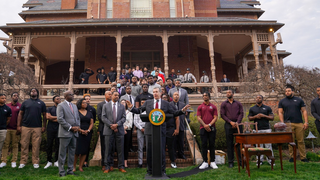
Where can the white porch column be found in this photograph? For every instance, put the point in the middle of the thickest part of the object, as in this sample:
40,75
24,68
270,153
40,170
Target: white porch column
73,41
18,49
27,49
255,48
245,66
37,70
273,50
210,37
165,40
118,41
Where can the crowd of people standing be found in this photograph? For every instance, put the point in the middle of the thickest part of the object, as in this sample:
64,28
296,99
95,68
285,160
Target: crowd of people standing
70,126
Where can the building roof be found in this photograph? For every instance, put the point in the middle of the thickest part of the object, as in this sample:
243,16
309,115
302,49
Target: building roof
240,6
150,21
234,4
49,5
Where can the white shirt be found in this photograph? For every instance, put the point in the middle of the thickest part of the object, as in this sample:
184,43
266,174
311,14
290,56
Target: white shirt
129,119
204,79
159,103
138,122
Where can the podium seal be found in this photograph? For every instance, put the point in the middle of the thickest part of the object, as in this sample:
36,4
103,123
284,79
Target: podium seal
157,117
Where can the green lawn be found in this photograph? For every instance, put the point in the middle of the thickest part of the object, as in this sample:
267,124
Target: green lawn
304,171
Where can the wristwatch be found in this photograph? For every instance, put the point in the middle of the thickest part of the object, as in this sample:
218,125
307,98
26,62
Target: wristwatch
88,130
209,124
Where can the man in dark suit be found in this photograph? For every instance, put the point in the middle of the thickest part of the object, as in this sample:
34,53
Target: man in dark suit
113,116
179,144
225,79
69,124
148,106
101,126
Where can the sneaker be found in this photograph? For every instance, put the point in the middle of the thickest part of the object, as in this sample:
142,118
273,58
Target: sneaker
13,164
260,163
204,165
48,165
22,166
305,160
173,165
3,164
56,164
213,165
291,160
36,166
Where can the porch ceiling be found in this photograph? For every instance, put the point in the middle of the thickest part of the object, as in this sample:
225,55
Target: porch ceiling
226,45
57,49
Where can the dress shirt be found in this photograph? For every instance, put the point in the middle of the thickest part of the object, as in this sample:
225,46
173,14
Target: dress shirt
115,107
189,76
138,73
204,79
231,112
159,103
138,122
315,108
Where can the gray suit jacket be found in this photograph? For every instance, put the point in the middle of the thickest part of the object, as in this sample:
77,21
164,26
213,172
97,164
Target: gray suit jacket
183,95
126,97
107,119
99,112
67,119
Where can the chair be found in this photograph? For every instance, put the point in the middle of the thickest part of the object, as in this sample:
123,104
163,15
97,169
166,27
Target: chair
248,150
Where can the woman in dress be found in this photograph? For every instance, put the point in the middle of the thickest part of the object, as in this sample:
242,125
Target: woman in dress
127,130
85,133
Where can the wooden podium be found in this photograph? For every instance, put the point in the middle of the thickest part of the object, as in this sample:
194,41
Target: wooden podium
156,146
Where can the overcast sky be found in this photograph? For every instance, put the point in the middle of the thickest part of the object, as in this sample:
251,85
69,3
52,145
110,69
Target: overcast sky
300,35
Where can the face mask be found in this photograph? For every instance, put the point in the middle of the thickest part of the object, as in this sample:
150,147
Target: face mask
118,85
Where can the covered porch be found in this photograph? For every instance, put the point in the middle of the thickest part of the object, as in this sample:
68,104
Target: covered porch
59,51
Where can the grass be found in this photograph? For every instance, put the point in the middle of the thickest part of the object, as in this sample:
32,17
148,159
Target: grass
304,171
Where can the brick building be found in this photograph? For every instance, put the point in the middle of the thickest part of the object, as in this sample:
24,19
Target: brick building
60,38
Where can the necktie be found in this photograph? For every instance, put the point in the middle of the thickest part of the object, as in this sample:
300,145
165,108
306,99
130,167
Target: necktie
114,113
176,105
71,108
157,104
130,99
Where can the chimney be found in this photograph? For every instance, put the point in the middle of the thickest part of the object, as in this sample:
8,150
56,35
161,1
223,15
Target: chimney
218,3
68,4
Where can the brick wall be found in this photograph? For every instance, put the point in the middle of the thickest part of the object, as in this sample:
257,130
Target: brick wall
161,8
96,47
121,8
231,71
205,8
205,64
68,4
55,72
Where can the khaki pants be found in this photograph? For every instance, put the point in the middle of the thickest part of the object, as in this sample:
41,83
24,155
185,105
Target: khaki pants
3,134
35,135
298,134
14,139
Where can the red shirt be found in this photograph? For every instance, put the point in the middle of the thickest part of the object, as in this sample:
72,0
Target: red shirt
15,111
207,113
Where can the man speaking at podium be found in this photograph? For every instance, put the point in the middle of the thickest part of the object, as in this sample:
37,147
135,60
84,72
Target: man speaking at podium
148,106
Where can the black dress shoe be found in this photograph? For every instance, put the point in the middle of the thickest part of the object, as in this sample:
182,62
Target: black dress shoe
62,175
131,150
85,165
140,165
183,157
291,160
231,165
